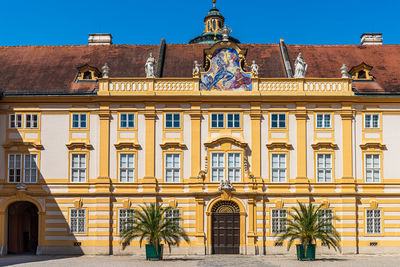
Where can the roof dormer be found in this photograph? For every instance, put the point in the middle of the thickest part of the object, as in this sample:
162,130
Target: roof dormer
88,73
361,72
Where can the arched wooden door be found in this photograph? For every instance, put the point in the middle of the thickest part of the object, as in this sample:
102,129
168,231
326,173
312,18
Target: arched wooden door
225,223
22,228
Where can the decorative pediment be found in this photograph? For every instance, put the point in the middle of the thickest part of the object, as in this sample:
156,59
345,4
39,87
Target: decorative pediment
129,145
226,139
281,145
173,144
326,145
79,145
224,69
373,145
23,144
361,72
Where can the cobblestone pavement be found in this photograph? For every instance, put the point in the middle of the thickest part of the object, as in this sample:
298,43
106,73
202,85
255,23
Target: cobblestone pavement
202,261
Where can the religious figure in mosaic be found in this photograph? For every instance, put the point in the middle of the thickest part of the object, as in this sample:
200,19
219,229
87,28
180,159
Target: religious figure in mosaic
225,73
300,67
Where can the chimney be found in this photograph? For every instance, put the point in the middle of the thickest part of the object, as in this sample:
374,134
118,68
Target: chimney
100,39
371,39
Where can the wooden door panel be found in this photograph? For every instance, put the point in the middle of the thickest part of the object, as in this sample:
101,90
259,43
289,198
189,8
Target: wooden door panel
225,233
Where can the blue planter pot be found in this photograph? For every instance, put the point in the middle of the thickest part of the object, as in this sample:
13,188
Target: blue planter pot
152,254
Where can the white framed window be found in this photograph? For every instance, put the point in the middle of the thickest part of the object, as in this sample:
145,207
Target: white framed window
172,167
278,221
172,120
78,221
173,215
325,216
233,120
234,167
324,121
31,120
79,120
278,167
30,168
78,168
217,120
373,221
126,167
324,168
127,120
371,121
15,121
278,120
125,219
372,168
14,168
217,167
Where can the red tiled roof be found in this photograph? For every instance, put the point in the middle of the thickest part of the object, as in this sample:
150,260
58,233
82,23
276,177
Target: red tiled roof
325,61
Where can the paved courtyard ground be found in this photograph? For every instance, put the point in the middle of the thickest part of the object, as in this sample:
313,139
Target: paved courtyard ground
201,261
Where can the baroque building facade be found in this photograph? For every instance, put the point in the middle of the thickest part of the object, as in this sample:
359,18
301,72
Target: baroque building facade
231,143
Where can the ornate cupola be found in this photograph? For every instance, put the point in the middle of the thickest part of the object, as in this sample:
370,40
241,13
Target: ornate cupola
214,23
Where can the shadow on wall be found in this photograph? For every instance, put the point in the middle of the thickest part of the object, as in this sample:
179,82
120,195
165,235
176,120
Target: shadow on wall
31,220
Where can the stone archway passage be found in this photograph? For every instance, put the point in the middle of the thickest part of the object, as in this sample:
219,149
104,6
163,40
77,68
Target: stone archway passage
225,223
22,228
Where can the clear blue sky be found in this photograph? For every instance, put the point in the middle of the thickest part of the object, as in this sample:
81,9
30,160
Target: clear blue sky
56,22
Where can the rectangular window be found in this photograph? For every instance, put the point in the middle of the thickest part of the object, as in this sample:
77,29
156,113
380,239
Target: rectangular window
127,120
78,221
217,167
325,217
127,168
14,168
31,120
373,221
372,168
234,167
217,120
15,121
278,120
172,120
174,215
278,221
30,168
126,219
78,168
233,120
79,120
371,121
324,168
323,120
172,168
278,170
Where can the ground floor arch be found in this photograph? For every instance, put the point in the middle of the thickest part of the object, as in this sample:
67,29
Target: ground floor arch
225,228
22,228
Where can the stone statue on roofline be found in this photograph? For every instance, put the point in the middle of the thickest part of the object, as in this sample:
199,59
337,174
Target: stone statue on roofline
196,68
106,70
344,71
150,67
254,68
225,31
300,67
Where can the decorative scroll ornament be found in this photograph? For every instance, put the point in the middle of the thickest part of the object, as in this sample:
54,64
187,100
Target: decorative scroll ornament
149,67
344,71
226,185
300,67
225,31
106,70
21,187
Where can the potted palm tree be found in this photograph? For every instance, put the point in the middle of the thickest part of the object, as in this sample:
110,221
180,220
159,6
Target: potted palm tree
308,225
150,224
